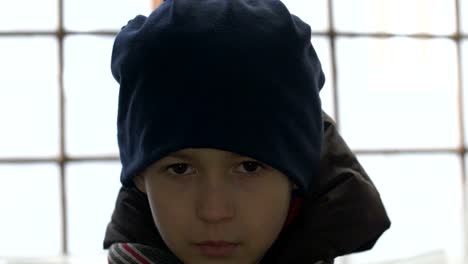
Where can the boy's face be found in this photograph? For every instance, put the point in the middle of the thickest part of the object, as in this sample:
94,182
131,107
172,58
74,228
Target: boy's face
200,195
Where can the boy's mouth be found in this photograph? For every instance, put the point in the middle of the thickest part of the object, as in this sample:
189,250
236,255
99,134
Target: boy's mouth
217,248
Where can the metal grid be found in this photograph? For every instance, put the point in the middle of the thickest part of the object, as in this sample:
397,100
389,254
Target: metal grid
63,159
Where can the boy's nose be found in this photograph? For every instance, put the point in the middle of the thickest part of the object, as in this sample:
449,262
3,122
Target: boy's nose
215,204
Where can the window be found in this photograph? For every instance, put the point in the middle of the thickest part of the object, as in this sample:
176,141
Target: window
59,165
395,86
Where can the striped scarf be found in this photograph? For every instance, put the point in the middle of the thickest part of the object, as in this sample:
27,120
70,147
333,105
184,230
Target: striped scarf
133,253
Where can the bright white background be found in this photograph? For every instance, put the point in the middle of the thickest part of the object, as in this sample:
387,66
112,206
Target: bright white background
393,93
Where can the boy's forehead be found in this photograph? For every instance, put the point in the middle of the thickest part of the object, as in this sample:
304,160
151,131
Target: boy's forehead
190,152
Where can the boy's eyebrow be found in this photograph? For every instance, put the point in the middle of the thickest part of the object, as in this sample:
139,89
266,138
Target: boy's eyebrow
180,155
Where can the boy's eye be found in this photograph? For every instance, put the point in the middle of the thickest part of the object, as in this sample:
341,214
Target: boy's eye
251,166
179,168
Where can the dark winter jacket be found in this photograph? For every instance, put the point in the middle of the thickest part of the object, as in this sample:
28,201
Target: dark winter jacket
344,215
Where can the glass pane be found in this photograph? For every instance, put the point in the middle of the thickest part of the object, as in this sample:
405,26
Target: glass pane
92,191
29,104
28,15
314,13
103,14
398,92
423,198
30,211
464,15
322,48
92,96
395,16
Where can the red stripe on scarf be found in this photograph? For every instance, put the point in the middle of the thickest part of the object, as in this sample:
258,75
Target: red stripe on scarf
135,254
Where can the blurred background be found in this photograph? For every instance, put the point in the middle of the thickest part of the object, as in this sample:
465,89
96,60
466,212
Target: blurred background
394,86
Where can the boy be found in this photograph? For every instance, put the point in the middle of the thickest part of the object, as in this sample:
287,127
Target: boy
221,137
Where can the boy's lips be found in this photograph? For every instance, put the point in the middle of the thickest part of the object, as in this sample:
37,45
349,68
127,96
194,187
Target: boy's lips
216,248
216,243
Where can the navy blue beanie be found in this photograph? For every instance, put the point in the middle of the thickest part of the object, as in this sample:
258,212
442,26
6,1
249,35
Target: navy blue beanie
240,76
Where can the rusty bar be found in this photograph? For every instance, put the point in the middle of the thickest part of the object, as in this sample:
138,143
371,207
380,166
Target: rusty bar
409,151
317,33
55,33
115,158
332,38
461,122
89,158
61,159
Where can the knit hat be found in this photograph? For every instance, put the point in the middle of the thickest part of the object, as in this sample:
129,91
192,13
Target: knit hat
240,76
